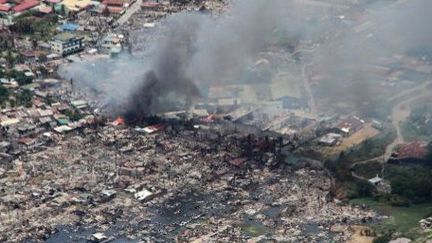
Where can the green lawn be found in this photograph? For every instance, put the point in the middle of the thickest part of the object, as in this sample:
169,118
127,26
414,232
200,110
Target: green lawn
410,132
402,219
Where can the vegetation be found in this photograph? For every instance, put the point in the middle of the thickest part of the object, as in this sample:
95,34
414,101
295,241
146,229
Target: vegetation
402,219
410,183
341,170
385,238
31,24
74,115
368,170
4,94
6,42
19,76
429,155
418,124
12,57
372,147
24,98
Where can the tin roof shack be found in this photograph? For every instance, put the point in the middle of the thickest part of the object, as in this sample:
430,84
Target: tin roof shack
9,125
349,126
412,152
26,130
107,195
144,195
25,5
330,139
29,144
79,104
4,146
152,6
375,181
9,122
241,115
377,124
110,42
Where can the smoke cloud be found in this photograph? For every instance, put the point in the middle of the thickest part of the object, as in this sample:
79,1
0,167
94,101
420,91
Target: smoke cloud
190,51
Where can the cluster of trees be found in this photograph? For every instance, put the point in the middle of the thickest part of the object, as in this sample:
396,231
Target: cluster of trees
13,58
4,94
429,155
18,76
24,98
420,118
6,42
30,24
341,170
411,183
74,115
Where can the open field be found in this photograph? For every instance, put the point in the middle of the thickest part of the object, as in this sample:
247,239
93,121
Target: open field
357,138
401,219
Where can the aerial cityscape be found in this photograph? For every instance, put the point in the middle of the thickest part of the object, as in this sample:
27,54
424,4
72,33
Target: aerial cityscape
216,121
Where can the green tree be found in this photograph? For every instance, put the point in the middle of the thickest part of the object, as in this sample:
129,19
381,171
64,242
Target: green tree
4,94
20,77
23,26
25,98
414,184
74,115
10,58
429,155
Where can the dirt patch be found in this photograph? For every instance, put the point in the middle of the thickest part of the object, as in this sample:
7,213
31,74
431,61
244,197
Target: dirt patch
361,234
357,138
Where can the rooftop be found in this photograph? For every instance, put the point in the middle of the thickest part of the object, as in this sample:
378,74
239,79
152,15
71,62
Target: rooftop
24,5
76,5
113,2
416,149
5,8
65,36
375,180
69,27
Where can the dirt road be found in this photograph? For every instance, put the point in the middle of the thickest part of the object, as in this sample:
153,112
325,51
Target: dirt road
400,112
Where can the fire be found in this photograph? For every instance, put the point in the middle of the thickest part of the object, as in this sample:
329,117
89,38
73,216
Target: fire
119,121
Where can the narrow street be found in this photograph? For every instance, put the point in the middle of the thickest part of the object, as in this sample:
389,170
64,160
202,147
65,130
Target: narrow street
129,12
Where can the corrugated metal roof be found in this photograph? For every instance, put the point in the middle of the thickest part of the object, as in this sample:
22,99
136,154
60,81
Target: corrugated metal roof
27,4
5,8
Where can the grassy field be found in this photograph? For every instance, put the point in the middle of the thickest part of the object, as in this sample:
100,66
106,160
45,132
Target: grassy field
411,133
350,142
368,170
402,219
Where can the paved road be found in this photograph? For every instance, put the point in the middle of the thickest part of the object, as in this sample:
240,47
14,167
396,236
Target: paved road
129,12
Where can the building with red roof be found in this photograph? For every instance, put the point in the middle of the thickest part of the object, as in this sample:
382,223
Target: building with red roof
25,5
155,6
118,3
5,8
53,1
46,10
411,152
414,150
115,10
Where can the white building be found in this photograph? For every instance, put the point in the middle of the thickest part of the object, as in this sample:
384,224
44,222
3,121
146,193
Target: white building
67,43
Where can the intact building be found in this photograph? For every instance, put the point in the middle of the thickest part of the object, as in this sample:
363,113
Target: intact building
67,43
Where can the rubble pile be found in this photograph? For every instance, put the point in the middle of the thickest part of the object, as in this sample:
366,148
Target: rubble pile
426,223
179,184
